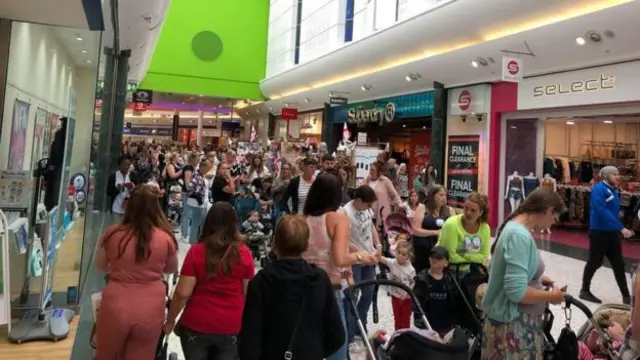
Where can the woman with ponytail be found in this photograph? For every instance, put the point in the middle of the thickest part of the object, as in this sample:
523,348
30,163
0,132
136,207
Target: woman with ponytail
213,284
515,299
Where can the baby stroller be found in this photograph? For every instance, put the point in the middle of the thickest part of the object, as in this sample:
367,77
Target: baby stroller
409,345
258,243
162,352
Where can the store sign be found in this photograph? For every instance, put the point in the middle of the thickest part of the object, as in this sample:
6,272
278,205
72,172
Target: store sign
462,167
289,113
147,131
467,100
143,96
363,116
511,69
338,100
139,107
603,85
600,83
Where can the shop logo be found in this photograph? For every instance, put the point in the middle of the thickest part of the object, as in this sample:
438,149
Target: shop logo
362,115
600,83
421,150
464,100
513,67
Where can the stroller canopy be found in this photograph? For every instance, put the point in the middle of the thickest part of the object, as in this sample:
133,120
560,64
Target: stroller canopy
398,222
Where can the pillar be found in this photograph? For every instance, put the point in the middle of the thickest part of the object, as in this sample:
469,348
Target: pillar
114,99
439,129
199,128
175,127
5,43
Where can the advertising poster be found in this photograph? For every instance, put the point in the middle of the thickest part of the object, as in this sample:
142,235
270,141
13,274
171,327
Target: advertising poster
37,149
419,155
462,167
18,141
365,156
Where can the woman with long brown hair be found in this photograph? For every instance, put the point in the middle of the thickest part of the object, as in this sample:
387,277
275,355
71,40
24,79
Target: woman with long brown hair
427,223
212,288
257,169
135,254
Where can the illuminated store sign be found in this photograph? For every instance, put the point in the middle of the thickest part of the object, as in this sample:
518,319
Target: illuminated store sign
600,83
362,115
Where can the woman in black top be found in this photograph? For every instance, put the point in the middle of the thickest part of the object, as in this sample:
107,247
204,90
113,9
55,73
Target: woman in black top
427,222
223,187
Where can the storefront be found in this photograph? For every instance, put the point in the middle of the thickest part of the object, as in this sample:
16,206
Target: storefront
567,127
403,122
468,142
308,124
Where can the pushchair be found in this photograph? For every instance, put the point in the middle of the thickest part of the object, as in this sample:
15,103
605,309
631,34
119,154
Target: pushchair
258,244
409,345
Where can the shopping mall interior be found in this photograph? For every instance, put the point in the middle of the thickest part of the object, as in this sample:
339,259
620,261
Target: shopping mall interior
535,96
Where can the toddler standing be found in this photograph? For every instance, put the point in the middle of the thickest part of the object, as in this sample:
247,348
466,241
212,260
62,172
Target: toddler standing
401,270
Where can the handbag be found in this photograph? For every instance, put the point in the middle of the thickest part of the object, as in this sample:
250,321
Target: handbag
288,355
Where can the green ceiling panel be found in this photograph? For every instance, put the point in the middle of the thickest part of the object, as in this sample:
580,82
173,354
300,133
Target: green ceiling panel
211,47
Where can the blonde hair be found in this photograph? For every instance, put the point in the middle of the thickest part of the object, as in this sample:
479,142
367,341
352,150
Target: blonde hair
291,236
406,246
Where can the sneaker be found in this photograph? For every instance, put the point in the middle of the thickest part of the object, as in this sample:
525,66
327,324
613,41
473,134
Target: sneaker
626,300
588,296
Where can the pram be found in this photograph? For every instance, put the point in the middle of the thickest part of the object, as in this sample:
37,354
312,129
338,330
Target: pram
409,345
259,245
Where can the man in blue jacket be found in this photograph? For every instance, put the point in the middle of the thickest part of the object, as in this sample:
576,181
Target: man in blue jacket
605,233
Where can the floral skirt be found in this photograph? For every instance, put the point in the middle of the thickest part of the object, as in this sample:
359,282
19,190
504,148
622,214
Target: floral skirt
521,339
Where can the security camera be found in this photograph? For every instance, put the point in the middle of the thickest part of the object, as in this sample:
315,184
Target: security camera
463,118
479,117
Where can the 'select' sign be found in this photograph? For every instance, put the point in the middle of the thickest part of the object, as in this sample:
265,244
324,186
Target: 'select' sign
604,85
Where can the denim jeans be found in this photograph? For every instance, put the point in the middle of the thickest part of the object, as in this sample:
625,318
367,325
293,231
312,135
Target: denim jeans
197,215
360,273
186,218
343,352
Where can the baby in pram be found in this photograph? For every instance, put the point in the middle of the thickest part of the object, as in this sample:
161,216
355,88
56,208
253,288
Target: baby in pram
253,227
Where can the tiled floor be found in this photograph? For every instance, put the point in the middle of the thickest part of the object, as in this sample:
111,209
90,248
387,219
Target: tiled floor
578,240
562,269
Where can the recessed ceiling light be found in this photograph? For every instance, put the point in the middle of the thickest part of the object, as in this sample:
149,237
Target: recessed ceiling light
366,87
307,100
88,61
78,38
404,126
570,123
608,122
474,64
258,111
84,51
580,41
408,78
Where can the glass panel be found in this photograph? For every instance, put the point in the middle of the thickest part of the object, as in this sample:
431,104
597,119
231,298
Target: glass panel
521,152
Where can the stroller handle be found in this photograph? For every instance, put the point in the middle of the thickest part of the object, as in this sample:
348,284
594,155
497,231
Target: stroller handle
570,300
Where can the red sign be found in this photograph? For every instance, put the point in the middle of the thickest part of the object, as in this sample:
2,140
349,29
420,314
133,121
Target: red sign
464,100
420,154
289,114
513,67
139,107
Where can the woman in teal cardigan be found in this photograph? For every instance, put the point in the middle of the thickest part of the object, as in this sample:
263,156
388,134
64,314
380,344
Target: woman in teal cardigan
467,236
515,299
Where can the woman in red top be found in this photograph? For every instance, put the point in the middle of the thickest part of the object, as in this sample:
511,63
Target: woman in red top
135,254
212,285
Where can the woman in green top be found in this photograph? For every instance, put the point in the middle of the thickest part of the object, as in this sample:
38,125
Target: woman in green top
514,302
467,236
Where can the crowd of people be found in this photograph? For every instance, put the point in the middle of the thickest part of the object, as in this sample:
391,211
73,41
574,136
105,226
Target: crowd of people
326,236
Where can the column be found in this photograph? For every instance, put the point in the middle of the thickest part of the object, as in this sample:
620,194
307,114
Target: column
175,126
439,129
5,43
199,129
111,120
328,135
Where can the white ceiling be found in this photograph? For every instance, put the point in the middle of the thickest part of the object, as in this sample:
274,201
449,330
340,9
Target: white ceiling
69,13
454,36
83,46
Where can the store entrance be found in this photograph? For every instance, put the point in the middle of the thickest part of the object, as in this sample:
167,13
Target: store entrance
575,149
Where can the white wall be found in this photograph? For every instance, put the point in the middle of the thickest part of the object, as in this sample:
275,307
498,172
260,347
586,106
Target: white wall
455,126
322,28
40,73
85,81
575,140
281,36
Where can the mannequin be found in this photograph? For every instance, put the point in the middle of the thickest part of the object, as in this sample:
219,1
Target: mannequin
549,183
514,190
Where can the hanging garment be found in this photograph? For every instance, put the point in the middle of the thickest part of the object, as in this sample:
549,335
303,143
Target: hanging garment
566,171
548,166
530,184
586,172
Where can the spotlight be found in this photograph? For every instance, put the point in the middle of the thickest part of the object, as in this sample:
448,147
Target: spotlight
408,78
258,111
413,77
463,118
307,100
608,122
366,87
479,117
580,41
570,123
474,64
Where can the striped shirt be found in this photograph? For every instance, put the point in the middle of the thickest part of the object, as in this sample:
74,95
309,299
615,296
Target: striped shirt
303,191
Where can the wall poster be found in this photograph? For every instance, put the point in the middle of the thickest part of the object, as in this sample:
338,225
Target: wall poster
38,145
18,141
420,155
462,167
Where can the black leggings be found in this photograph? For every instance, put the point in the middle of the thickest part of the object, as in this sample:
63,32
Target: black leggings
198,346
609,244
